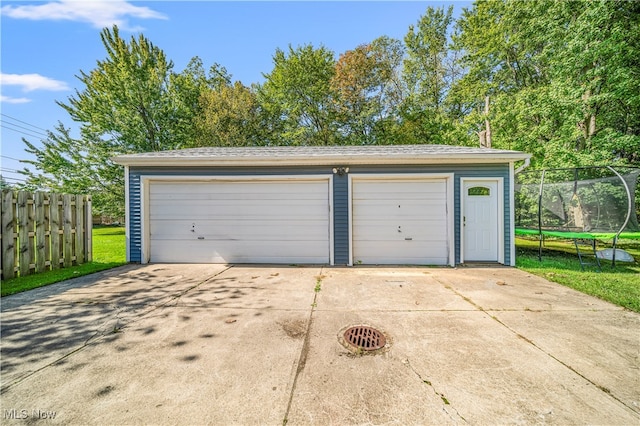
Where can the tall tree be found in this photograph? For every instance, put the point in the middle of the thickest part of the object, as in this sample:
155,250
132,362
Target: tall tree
368,91
186,89
562,76
425,69
231,116
75,165
129,103
4,184
596,60
128,98
429,72
297,94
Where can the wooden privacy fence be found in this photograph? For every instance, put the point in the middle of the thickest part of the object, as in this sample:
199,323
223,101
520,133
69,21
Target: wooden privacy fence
42,231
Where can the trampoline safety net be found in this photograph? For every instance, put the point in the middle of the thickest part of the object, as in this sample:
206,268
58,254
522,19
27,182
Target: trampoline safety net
590,202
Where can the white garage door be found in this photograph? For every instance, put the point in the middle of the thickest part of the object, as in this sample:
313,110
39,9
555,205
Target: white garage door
400,221
251,221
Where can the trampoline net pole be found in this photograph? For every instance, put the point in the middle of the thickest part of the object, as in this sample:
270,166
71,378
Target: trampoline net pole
626,220
540,217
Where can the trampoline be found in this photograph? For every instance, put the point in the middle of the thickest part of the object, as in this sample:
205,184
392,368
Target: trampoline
582,204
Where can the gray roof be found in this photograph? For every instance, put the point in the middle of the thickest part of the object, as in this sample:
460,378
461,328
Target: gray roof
321,155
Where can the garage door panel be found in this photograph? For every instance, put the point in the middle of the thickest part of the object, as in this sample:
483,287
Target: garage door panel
403,260
407,189
216,196
371,232
393,207
391,195
402,186
231,252
275,221
400,221
238,190
286,211
401,253
421,260
245,203
263,230
416,212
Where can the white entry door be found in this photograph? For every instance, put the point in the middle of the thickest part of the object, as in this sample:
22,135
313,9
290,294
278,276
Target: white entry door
480,220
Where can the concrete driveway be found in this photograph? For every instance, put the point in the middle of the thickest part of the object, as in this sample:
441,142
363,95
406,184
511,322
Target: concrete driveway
213,344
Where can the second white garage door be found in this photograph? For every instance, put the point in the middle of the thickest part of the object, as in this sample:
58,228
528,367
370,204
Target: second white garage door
401,221
243,221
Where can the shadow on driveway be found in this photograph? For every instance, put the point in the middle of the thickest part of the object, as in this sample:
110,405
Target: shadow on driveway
216,344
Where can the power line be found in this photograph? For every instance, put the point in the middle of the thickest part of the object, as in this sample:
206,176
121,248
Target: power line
3,169
23,122
10,158
25,128
14,179
3,125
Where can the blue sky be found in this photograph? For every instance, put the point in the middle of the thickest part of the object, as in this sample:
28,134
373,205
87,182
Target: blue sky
45,45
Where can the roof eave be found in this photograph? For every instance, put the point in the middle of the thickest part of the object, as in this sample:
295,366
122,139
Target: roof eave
136,161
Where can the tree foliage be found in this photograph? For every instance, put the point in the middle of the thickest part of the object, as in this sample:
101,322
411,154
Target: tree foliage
563,77
429,113
368,91
128,98
297,93
131,102
4,184
68,164
561,80
230,116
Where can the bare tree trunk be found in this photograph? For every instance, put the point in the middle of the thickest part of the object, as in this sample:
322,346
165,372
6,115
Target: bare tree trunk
482,135
486,122
485,135
592,125
588,125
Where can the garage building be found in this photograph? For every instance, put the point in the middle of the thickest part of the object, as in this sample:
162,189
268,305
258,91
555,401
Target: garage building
346,205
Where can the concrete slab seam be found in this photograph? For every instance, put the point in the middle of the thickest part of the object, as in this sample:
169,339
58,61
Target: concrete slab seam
182,293
400,311
171,299
175,298
448,286
302,359
102,333
446,403
26,376
530,342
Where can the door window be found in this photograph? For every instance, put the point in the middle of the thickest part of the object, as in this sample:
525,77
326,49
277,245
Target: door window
479,191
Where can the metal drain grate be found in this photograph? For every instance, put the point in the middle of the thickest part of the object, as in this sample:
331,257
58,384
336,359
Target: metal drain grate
364,337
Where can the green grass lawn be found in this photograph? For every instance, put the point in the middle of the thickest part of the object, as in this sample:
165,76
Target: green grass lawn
559,264
108,252
619,285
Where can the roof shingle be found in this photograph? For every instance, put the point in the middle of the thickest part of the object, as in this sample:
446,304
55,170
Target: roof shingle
370,154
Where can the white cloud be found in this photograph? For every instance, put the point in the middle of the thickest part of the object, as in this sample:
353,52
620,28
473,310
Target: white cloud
99,13
9,100
31,82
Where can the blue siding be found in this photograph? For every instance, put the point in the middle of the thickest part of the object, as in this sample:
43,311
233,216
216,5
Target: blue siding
507,218
135,196
498,171
340,196
459,170
341,219
135,218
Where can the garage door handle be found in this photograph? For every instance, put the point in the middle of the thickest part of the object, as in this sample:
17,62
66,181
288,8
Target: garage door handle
201,238
408,239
